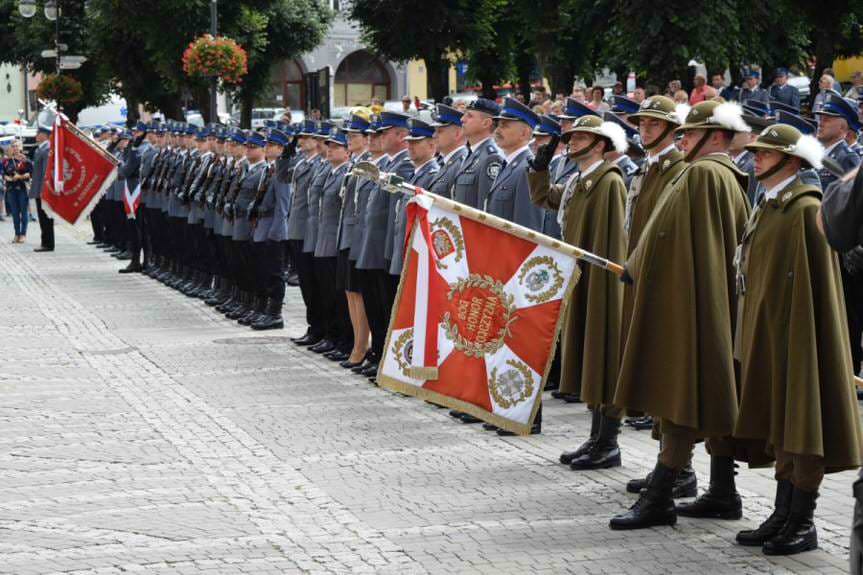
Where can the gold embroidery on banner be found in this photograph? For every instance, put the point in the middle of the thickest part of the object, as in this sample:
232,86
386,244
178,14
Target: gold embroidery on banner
536,275
403,350
480,315
513,386
446,240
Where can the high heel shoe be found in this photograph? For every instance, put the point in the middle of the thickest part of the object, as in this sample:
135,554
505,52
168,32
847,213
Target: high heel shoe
348,364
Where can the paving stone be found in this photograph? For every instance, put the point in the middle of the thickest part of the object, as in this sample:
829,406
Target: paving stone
140,432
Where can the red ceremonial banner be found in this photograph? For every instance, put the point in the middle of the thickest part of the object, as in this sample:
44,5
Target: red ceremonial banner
71,192
477,314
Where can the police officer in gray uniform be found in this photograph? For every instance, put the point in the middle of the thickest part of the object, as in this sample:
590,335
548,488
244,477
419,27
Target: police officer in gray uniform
367,277
251,186
304,171
347,277
40,168
421,149
377,229
548,128
338,334
451,146
313,191
484,161
835,119
509,196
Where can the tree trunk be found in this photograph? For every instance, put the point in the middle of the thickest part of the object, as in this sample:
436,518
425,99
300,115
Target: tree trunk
524,63
131,110
247,102
824,54
437,76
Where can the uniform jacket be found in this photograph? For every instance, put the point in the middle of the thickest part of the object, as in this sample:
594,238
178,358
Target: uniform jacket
509,196
300,180
443,181
313,191
844,156
278,231
40,168
399,164
842,212
148,163
421,178
560,170
348,216
251,183
327,245
362,190
745,162
377,223
787,94
264,211
478,171
628,168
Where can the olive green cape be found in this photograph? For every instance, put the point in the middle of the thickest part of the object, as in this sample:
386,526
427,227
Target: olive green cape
797,381
678,360
590,341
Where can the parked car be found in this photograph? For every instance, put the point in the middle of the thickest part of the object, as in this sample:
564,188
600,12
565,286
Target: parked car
261,115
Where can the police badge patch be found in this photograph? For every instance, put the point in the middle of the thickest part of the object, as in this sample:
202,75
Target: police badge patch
447,240
493,170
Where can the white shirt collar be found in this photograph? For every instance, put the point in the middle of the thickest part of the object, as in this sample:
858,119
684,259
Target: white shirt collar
515,154
773,192
654,158
451,154
590,169
340,165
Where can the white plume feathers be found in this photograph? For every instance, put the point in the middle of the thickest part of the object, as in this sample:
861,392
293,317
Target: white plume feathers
681,111
730,115
809,149
616,134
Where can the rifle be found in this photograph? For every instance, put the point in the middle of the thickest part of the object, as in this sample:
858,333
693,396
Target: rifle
263,185
232,193
395,184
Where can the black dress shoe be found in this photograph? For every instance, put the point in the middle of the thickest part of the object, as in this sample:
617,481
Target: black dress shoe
309,340
468,418
361,367
567,397
132,268
370,371
43,249
535,429
323,347
490,427
338,356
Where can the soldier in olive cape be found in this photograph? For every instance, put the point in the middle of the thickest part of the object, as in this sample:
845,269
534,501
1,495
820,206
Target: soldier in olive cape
678,362
797,398
656,119
593,215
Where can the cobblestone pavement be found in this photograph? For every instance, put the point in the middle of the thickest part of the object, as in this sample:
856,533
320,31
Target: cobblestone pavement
143,433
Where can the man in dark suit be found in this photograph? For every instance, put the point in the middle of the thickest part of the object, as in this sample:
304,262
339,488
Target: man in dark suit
40,167
782,91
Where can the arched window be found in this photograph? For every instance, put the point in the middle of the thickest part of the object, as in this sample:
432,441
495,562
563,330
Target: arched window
286,86
360,77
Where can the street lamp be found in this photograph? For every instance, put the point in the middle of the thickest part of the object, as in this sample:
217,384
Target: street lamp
52,11
27,8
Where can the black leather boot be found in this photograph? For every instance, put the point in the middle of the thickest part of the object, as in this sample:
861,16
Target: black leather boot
686,484
225,305
258,307
605,452
242,308
721,500
655,505
568,457
773,524
272,319
798,534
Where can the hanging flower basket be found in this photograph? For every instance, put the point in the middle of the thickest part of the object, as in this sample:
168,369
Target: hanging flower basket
218,56
61,88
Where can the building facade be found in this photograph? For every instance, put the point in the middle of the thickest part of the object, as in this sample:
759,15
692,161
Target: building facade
354,74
